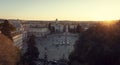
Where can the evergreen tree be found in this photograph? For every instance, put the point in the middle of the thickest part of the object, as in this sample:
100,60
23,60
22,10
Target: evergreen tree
49,26
99,45
32,53
7,28
78,28
52,29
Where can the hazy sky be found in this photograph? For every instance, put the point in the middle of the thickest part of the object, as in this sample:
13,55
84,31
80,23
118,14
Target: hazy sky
61,9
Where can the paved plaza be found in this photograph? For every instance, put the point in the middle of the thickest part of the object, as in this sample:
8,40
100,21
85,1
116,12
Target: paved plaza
56,46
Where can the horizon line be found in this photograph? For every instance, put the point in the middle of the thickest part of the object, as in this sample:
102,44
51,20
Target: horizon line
55,19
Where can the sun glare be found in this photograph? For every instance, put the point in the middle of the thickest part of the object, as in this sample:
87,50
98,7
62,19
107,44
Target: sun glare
108,23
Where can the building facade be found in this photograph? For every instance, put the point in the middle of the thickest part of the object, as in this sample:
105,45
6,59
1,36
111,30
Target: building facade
59,27
39,32
18,40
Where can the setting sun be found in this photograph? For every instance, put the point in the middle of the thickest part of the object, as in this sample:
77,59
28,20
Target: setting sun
108,23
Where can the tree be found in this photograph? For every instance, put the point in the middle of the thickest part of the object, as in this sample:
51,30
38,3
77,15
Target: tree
9,54
52,29
7,28
78,29
32,53
31,41
49,26
99,45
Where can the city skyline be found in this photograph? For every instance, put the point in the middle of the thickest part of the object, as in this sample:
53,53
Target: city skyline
84,10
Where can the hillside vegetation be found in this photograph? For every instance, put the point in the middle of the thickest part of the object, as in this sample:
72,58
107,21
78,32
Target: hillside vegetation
9,54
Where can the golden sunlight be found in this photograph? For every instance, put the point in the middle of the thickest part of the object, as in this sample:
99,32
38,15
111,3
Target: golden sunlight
108,23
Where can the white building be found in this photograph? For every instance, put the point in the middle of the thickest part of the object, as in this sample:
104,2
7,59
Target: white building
18,40
18,35
17,24
59,27
25,27
72,26
37,28
39,32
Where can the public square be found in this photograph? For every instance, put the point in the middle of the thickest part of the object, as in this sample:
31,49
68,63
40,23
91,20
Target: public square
56,46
